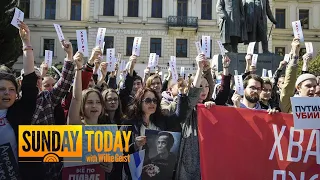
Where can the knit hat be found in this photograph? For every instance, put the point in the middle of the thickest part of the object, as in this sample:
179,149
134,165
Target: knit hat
304,77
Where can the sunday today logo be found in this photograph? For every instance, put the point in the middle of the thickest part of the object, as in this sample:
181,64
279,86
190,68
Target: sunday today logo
74,143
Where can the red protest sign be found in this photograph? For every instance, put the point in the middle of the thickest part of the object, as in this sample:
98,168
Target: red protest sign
240,143
93,171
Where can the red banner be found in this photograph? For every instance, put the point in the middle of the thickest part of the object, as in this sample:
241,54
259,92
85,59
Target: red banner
243,144
93,171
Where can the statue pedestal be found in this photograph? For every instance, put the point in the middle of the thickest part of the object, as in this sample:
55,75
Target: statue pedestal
265,61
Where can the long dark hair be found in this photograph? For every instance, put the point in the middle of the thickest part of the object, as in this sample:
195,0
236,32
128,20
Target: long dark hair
118,114
135,110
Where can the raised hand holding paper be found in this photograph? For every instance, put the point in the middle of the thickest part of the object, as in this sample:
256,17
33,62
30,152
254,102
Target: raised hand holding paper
254,60
250,49
297,30
136,46
239,84
198,46
100,37
17,17
206,46
222,51
82,42
57,27
48,58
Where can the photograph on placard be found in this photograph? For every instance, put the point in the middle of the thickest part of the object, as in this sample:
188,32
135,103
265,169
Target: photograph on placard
161,154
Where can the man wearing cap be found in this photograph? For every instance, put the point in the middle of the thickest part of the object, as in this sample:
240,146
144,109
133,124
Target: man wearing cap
305,84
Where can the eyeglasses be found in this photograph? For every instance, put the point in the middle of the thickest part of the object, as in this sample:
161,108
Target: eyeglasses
149,100
253,88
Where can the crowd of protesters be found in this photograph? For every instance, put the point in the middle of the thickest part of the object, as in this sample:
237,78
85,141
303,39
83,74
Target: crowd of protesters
81,97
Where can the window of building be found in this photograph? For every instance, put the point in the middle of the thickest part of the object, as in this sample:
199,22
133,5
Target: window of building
76,10
129,46
133,8
281,51
108,43
304,18
210,47
108,8
24,5
74,46
206,9
302,52
281,18
155,46
156,9
181,48
48,44
182,8
50,9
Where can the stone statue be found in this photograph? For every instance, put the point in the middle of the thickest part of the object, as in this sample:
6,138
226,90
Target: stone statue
256,12
231,23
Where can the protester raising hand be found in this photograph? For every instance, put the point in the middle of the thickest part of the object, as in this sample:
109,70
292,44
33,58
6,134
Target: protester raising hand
44,69
132,63
103,69
78,58
24,32
140,141
236,98
96,54
67,47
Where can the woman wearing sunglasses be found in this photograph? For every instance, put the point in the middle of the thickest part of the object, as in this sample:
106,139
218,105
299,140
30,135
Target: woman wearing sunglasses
145,113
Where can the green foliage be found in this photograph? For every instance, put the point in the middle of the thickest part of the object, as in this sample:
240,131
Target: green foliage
314,66
10,42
